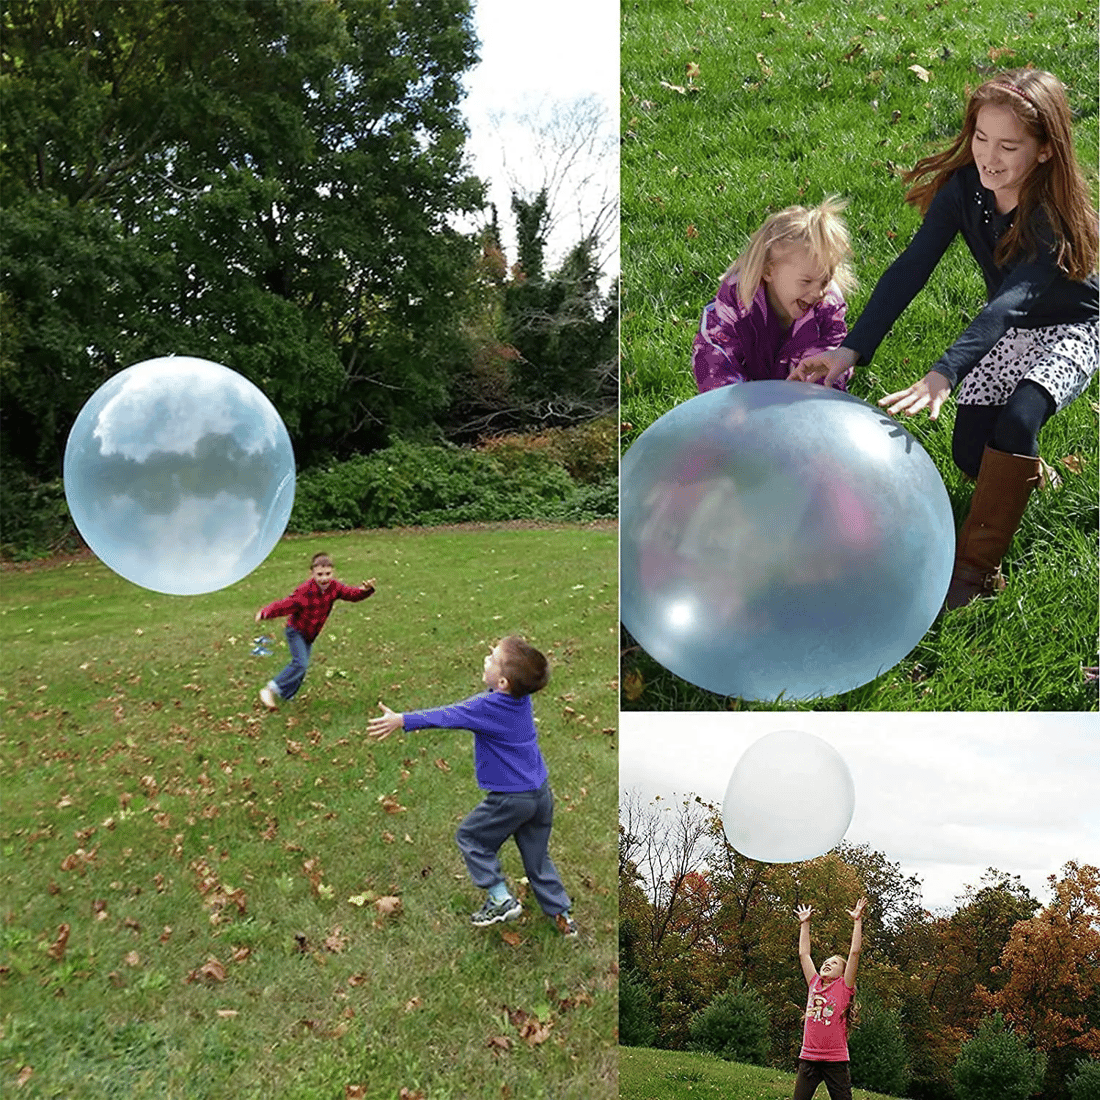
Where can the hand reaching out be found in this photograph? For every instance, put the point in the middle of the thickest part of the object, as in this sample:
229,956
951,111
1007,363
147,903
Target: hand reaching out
857,912
378,729
804,913
930,392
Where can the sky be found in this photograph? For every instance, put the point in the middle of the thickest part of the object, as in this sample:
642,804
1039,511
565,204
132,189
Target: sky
945,796
534,54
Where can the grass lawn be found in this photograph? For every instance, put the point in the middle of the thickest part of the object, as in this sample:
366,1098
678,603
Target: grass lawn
731,112
646,1074
204,900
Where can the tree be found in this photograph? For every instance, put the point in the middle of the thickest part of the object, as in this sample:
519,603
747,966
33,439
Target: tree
1052,961
637,1017
997,1064
268,185
734,1025
880,1059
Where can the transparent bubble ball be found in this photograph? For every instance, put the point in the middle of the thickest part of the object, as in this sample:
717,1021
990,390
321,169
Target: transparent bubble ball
179,475
790,798
781,540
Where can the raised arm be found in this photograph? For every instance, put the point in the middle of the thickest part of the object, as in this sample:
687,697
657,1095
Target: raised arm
857,943
808,969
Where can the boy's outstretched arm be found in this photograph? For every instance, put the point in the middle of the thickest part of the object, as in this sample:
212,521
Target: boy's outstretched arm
808,969
380,728
857,943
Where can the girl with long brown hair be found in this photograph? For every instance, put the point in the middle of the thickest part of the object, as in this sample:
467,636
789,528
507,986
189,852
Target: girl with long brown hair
1011,185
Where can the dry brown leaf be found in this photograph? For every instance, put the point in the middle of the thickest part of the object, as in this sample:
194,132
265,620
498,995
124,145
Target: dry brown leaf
336,941
211,971
1072,462
442,765
512,939
410,1094
25,1074
922,72
692,232
390,804
388,906
673,87
497,1043
633,686
355,1092
413,1004
132,959
57,949
228,1013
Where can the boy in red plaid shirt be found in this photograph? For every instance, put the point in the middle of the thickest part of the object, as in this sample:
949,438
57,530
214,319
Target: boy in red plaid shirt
308,607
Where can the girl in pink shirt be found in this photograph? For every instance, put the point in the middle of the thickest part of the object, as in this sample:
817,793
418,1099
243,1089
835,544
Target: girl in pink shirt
824,1054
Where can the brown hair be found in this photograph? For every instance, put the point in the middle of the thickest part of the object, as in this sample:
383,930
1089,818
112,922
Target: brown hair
523,666
1056,186
320,559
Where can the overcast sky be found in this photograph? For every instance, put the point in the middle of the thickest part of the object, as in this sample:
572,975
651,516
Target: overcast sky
943,795
534,53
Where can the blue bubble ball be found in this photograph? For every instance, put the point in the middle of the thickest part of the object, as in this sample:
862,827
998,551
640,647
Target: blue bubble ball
179,475
780,540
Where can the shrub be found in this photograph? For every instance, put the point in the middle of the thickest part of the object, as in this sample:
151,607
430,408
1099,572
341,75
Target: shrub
407,485
880,1060
997,1064
35,516
588,452
734,1026
1085,1082
637,1016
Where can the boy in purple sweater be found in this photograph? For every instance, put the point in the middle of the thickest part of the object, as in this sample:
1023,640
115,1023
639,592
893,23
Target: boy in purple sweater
510,769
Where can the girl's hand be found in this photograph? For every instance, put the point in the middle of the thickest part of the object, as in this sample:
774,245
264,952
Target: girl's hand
857,912
378,729
930,392
368,584
829,365
259,615
804,913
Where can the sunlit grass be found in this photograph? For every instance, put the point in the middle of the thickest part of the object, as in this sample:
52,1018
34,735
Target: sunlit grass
788,102
222,871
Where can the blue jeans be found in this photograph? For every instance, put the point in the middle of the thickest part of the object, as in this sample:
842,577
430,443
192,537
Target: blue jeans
287,683
526,816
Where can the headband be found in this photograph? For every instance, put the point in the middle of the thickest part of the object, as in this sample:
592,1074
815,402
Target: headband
1015,88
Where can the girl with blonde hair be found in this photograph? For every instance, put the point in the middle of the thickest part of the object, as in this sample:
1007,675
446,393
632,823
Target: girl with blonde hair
781,300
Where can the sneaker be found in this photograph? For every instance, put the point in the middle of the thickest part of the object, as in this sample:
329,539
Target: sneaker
567,926
267,697
493,911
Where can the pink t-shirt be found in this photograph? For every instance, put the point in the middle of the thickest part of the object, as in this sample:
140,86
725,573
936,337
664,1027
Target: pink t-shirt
825,1038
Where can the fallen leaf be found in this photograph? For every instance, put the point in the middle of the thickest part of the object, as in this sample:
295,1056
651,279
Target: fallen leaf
228,1013
692,232
132,959
692,70
336,941
388,906
512,939
633,686
25,1074
922,73
355,1092
409,1094
1072,462
497,1043
211,971
442,765
390,804
413,1004
673,87
57,949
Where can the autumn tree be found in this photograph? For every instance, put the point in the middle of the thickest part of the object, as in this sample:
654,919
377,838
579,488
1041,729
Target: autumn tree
1052,962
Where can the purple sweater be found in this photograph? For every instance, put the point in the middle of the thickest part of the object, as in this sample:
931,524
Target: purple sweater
735,344
506,743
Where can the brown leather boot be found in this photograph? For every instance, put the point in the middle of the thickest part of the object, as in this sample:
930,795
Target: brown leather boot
1000,496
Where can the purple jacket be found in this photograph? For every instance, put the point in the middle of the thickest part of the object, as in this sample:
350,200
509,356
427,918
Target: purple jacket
735,344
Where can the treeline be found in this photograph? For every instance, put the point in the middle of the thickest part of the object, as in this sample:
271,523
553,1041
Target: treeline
275,187
949,1006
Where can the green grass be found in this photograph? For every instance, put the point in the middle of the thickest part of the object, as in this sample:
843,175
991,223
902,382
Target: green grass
646,1074
795,100
151,805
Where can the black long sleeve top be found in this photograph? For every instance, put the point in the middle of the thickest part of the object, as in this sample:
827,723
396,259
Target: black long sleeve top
1026,293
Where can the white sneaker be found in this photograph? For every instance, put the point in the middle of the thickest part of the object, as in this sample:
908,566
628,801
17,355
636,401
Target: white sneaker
267,697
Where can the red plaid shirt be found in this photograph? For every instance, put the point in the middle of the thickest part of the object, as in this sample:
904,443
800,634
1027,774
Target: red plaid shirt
308,605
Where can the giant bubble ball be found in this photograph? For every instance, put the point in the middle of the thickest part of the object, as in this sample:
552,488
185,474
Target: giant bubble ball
790,798
781,540
179,475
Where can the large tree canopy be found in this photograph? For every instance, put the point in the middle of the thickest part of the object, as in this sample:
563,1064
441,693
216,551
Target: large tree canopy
268,184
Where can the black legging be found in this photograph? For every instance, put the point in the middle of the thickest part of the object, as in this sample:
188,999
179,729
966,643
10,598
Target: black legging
1012,427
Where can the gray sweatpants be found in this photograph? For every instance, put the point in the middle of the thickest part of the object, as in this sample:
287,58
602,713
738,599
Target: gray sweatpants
527,816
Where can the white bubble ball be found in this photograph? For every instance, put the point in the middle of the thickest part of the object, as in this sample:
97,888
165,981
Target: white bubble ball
179,475
790,798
